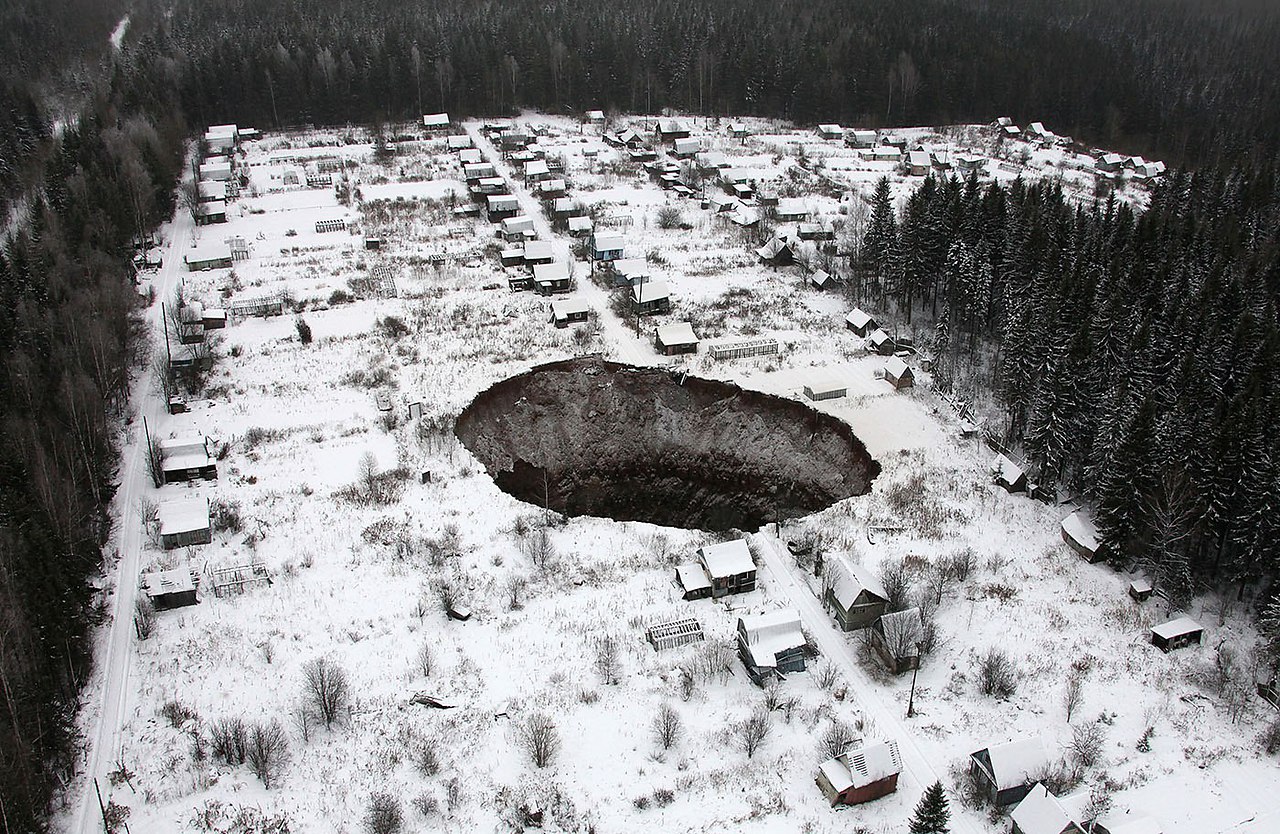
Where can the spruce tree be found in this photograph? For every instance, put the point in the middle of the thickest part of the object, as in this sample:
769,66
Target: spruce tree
932,814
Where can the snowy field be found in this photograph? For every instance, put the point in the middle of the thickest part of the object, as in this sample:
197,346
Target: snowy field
356,578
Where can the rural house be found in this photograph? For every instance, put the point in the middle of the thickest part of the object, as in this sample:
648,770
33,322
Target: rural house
896,639
213,211
184,522
1040,812
539,252
831,131
435,122
791,208
502,206
551,278
862,773
1008,474
669,130
186,459
606,246
898,373
970,164
860,139
1176,634
881,342
169,588
856,597
860,322
649,298
516,228
725,568
217,171
918,163
771,644
686,148
567,310
627,272
1006,772
221,138
675,338
1081,535
777,252
208,256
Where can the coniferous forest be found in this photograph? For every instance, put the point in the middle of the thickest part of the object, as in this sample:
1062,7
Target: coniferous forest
1132,358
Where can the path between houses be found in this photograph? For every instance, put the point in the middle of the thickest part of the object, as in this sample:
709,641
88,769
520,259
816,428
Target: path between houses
614,333
115,650
835,648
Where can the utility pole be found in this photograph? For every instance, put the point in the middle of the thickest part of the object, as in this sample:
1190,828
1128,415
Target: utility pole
915,669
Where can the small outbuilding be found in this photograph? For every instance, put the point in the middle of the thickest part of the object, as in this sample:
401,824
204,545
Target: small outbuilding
1140,590
862,773
856,597
860,139
881,342
675,338
566,311
896,640
686,148
1006,772
918,163
826,389
1081,535
185,522
820,280
860,322
539,252
1008,474
898,373
169,588
669,130
1177,634
791,208
831,131
674,634
581,226
771,644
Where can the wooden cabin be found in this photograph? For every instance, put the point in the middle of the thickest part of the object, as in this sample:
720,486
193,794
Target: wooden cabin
771,644
1176,634
1006,772
675,338
898,373
864,772
856,598
169,589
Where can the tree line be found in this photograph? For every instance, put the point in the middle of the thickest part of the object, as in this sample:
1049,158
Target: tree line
1134,359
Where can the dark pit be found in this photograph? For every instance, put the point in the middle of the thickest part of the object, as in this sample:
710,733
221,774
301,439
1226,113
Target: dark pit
590,437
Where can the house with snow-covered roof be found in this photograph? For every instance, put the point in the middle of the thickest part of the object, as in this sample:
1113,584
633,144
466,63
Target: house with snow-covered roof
771,644
184,522
1040,812
856,597
720,569
1081,535
1006,772
669,130
864,772
860,322
896,638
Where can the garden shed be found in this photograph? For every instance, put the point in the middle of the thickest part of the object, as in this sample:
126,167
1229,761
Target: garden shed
675,338
825,389
1176,634
167,589
185,522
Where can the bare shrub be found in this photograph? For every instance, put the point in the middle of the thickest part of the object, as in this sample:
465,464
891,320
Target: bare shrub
425,757
539,547
753,731
177,713
268,751
688,684
667,726
896,580
540,739
326,689
963,562
1086,743
515,592
837,739
426,658
997,674
229,739
826,676
144,617
669,217
383,815
662,797
1073,693
608,660
1270,738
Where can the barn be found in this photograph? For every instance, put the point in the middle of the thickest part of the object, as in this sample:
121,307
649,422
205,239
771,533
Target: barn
898,373
675,338
771,644
1006,772
1177,634
856,597
169,588
862,773
185,522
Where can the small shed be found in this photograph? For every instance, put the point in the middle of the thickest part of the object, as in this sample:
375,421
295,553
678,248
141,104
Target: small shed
862,773
187,459
170,588
673,634
675,338
1081,535
826,389
595,117
565,311
881,342
856,597
580,226
686,148
860,322
1006,772
435,122
830,131
737,130
791,208
1008,474
1040,812
550,278
209,256
511,255
650,297
606,246
896,638
1177,634
771,644
185,522
693,581
820,280
898,373
1141,590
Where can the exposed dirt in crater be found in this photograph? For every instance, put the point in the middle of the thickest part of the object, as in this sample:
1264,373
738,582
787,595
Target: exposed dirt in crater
591,437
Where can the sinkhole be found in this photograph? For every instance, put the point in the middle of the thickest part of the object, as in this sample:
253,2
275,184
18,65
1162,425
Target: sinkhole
589,437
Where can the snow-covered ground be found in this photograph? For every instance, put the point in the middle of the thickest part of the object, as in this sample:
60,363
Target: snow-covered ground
356,582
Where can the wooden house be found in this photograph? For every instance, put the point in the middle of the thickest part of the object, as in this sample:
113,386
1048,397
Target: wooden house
213,318
675,338
830,131
1176,634
214,211
815,231
470,156
539,252
594,117
536,170
606,246
856,598
516,228
435,122
669,130
737,130
1040,812
221,138
1126,823
1110,163
1081,535
1006,772
674,634
512,256
686,148
860,139
967,164
169,588
722,203
209,256
917,163
881,342
552,278
581,226
1008,474
777,252
771,644
502,206
826,389
212,191
720,569
791,208
898,373
1140,590
650,297
860,322
216,171
628,272
896,637
187,459
566,311
942,162
473,172
864,772
552,189
459,142
881,153
185,522
710,162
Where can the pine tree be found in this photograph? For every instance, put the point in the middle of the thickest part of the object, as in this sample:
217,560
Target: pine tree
932,814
